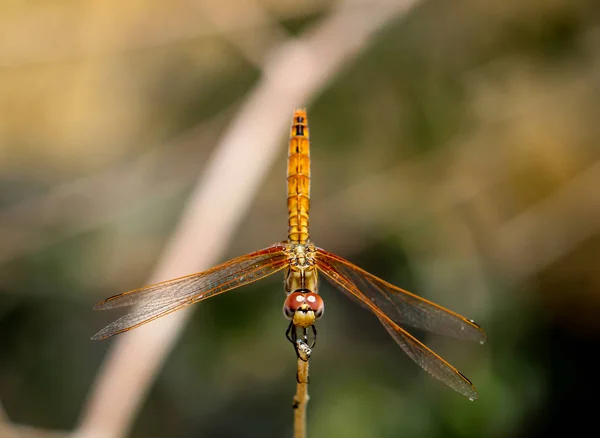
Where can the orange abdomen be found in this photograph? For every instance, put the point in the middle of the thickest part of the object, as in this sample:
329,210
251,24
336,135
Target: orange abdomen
298,179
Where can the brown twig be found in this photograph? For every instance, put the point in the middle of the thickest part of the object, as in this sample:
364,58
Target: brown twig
301,397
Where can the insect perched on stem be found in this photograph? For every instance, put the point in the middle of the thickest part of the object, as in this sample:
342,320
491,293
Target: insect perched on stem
302,262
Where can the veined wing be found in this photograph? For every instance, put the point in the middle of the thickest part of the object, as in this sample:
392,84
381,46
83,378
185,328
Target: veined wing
403,307
163,298
416,350
430,361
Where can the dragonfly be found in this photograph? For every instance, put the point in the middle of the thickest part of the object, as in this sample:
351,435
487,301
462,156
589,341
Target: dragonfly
303,264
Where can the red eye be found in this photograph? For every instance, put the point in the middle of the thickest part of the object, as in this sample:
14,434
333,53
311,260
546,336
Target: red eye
316,303
293,303
308,300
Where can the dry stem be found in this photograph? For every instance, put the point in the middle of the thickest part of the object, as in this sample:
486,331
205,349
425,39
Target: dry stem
301,398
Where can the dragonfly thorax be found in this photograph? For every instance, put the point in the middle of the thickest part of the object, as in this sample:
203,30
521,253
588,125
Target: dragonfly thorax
301,272
301,255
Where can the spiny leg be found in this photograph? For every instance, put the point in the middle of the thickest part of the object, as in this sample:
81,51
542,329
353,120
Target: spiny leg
290,333
300,346
314,341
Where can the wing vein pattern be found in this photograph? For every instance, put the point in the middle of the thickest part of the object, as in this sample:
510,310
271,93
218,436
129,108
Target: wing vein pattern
160,299
337,271
403,307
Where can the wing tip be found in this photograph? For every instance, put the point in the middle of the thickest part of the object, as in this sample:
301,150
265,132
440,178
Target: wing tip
472,395
482,335
98,336
106,333
471,392
108,303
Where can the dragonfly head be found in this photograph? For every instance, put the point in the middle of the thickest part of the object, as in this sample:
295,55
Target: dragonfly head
303,307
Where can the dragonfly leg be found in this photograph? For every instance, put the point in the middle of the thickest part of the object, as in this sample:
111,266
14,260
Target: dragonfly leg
314,341
290,333
303,349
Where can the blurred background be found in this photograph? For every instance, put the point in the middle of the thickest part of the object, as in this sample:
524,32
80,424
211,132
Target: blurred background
457,156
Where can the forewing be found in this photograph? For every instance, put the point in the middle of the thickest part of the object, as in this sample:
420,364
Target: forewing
403,307
160,299
416,350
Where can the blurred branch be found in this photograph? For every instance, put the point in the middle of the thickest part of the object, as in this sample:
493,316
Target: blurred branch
293,74
95,200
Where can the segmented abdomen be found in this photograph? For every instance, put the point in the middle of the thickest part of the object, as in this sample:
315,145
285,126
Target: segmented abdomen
298,179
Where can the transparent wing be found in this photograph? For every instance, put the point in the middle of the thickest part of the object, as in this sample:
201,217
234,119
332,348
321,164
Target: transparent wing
430,361
163,298
338,272
403,307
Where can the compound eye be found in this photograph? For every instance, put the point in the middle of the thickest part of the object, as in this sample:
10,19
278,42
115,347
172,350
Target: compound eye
316,304
287,312
293,303
319,312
